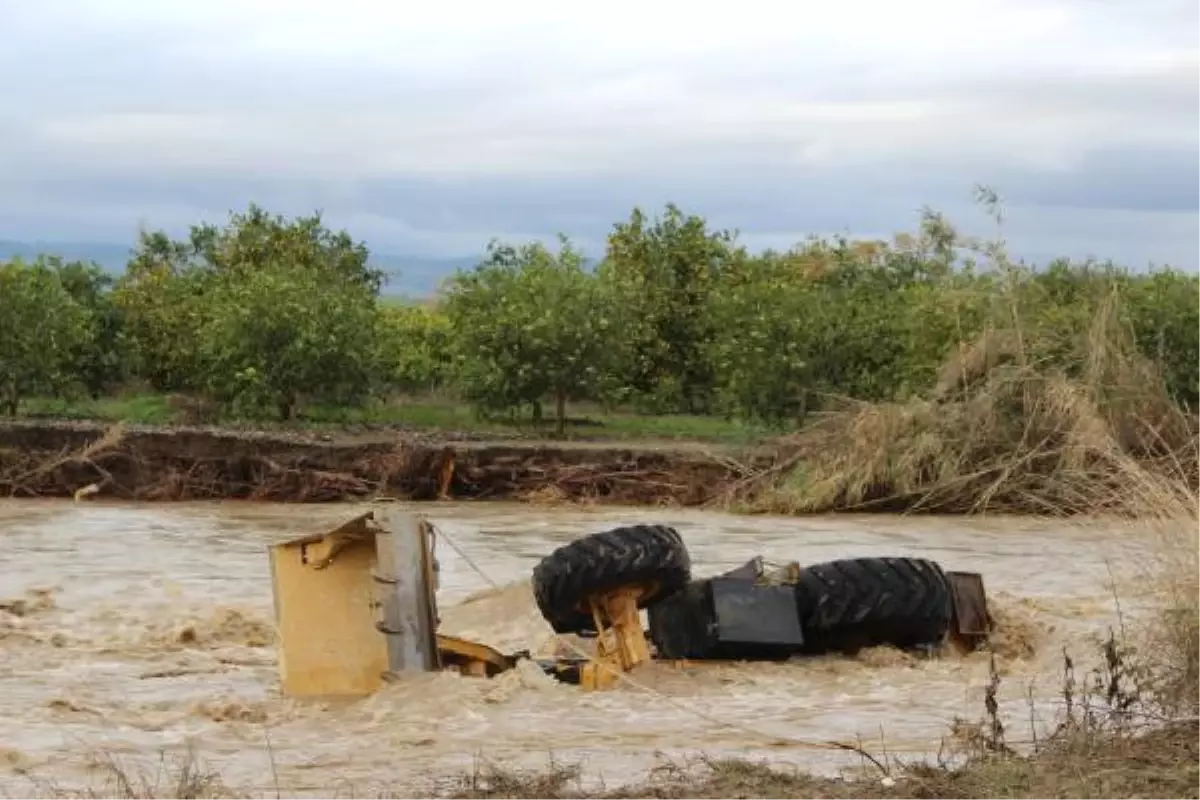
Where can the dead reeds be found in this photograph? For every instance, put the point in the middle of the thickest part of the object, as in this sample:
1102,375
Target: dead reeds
998,434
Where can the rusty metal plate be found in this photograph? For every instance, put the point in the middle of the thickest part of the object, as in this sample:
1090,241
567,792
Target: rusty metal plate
971,616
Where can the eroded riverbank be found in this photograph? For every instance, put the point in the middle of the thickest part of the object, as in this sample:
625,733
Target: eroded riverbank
57,459
147,627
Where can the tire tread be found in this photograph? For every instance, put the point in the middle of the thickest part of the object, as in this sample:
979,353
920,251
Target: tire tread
605,561
860,602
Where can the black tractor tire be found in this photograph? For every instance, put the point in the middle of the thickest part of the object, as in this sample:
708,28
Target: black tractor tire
602,562
853,603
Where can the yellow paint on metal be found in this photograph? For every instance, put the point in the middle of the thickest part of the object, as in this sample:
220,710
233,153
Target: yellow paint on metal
471,658
597,676
620,640
325,613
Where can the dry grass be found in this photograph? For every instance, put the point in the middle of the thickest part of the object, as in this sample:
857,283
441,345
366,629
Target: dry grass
1162,763
1170,578
1000,434
182,778
1107,441
1175,636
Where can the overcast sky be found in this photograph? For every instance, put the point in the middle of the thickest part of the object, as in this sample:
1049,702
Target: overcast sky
427,128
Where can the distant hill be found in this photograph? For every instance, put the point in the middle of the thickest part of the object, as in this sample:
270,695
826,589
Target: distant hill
418,276
408,275
110,256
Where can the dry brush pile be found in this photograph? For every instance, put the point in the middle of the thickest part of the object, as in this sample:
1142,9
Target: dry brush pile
1000,433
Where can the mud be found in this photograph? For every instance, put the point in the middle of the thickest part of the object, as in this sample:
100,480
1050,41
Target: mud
145,629
59,459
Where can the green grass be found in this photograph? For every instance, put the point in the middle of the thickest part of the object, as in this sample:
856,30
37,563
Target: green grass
147,409
585,423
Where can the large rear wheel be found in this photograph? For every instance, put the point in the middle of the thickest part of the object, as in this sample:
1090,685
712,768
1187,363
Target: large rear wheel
862,602
650,558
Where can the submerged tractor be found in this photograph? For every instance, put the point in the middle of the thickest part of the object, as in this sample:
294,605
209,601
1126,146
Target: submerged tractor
357,605
595,587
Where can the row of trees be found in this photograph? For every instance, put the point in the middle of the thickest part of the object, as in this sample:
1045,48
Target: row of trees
265,314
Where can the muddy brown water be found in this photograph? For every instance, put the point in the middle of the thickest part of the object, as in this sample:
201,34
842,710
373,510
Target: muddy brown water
143,628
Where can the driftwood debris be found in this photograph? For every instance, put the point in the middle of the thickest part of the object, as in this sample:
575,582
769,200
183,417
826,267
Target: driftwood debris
48,460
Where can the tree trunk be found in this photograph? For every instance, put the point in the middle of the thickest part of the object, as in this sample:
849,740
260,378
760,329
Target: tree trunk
560,412
287,404
12,398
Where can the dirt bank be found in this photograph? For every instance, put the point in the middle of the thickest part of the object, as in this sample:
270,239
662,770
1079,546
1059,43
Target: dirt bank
57,459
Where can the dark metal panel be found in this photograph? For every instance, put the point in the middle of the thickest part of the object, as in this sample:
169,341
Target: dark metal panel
748,613
682,626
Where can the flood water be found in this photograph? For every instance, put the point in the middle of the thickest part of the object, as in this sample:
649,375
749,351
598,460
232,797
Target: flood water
149,627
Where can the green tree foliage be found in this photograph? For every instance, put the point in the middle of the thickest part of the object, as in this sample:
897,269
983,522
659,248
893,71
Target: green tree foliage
260,313
256,240
164,313
265,313
663,271
42,331
287,332
161,298
760,343
414,344
529,323
100,363
1164,307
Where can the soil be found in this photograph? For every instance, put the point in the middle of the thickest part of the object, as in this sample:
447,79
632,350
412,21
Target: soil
41,458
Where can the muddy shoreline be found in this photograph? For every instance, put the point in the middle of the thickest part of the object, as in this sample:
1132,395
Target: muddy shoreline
40,458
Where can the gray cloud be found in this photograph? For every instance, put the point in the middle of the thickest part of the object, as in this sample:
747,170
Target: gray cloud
430,130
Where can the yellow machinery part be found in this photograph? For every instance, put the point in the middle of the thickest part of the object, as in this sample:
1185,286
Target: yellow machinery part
471,658
620,640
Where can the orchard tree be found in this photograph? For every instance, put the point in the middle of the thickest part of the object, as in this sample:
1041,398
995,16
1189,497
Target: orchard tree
101,363
530,323
42,330
664,272
759,348
168,294
254,240
164,312
161,299
280,334
413,347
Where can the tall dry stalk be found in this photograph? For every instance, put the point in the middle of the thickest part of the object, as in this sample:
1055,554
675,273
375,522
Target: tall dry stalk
1166,512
